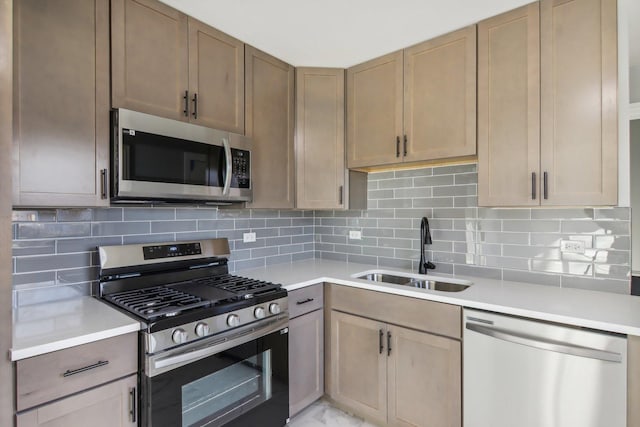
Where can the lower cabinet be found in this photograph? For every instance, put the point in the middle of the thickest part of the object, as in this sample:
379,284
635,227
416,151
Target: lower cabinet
391,374
93,384
306,347
110,405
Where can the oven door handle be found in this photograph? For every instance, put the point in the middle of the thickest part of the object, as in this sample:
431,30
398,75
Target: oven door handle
168,363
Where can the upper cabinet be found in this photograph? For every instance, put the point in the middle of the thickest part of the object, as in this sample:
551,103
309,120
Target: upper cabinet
547,105
320,168
171,65
61,103
579,84
374,111
269,89
440,97
414,105
216,78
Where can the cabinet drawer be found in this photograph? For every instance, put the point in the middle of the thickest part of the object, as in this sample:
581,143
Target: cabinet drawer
41,379
305,300
110,405
434,317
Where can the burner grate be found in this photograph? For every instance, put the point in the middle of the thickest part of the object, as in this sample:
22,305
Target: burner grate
241,286
158,301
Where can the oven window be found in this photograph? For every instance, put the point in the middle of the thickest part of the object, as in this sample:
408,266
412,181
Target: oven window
223,395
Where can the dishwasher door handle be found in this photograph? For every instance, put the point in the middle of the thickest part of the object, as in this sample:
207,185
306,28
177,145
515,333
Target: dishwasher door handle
545,344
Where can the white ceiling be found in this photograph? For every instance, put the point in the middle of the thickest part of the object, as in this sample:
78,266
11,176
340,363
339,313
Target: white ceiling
339,33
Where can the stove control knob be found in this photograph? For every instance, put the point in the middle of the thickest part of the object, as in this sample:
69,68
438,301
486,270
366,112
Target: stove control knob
179,336
259,313
233,320
274,308
202,329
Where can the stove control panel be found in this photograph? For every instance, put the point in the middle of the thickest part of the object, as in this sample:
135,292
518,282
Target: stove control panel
208,327
170,251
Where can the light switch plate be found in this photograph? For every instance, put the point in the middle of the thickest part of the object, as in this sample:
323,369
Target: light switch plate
572,246
248,237
355,235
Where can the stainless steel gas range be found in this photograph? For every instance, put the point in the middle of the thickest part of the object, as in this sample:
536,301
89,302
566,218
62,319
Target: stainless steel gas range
214,346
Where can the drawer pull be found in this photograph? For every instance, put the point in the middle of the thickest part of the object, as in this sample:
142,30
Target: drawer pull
132,404
86,368
304,301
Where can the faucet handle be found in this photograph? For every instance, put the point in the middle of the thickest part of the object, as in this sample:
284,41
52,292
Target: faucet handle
429,265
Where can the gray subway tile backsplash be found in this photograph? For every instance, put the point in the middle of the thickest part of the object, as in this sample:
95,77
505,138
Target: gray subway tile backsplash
55,249
517,244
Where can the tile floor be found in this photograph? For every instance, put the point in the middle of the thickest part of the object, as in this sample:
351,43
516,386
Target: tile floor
322,414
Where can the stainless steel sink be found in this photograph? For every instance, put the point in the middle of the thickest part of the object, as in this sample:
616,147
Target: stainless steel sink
437,286
386,278
434,285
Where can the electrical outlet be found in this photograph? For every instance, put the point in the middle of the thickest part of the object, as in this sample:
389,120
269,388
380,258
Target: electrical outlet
572,246
355,235
248,237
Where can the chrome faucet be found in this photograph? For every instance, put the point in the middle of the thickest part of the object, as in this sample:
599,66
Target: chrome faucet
425,239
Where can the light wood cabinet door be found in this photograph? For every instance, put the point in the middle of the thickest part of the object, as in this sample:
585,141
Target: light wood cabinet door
61,102
320,151
110,405
306,360
149,53
509,108
216,78
424,380
269,89
440,97
359,365
374,111
579,102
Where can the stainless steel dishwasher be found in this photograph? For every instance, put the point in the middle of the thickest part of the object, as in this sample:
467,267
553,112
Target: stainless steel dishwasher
525,373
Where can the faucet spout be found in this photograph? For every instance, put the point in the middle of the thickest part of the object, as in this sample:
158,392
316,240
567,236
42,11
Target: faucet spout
425,239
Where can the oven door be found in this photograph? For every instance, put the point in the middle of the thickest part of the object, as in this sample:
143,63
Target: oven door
242,380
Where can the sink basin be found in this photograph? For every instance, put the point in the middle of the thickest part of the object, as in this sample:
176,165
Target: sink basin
414,282
386,278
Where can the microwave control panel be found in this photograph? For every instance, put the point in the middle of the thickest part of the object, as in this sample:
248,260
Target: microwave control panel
241,168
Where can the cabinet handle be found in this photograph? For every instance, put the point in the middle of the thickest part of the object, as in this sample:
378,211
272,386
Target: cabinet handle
195,106
388,343
103,184
186,103
533,185
405,145
340,194
70,372
304,301
546,185
132,404
381,341
397,146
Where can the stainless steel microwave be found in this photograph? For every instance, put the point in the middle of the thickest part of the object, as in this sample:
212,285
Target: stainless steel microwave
158,159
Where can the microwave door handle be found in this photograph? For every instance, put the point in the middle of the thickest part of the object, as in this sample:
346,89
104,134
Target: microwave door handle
228,173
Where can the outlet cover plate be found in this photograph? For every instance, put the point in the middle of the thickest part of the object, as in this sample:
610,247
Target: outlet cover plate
355,235
572,246
249,237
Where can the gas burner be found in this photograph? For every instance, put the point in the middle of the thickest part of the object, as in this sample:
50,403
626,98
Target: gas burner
243,287
156,302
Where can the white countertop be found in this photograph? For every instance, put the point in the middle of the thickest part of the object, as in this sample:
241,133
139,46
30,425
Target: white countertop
42,328
591,309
